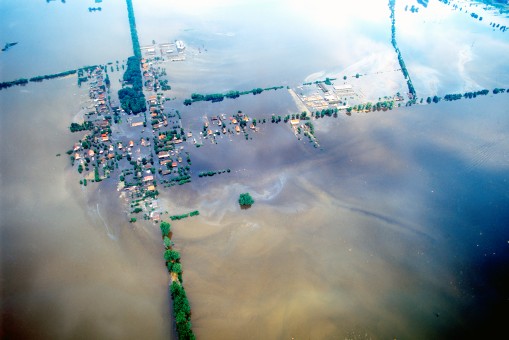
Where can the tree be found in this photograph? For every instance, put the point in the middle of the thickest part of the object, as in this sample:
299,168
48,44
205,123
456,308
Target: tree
171,255
176,268
428,100
181,318
165,228
245,200
167,241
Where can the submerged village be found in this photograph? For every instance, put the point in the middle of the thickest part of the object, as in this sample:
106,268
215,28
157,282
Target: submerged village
139,138
149,150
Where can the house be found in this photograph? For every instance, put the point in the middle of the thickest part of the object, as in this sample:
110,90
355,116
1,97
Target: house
294,122
174,164
156,216
151,188
77,156
148,178
131,143
104,123
237,128
134,124
91,153
163,154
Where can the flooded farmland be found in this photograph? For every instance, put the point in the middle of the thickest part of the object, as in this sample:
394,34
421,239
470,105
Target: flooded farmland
395,226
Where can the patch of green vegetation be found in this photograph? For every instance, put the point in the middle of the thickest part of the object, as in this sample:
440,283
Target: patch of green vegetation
180,217
217,97
245,200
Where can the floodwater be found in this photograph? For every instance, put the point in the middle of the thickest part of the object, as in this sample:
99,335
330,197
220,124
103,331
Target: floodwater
55,37
395,227
71,265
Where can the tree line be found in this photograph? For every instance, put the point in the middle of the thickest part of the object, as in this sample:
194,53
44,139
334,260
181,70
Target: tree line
180,217
181,306
218,97
132,26
410,85
469,95
24,81
212,173
327,81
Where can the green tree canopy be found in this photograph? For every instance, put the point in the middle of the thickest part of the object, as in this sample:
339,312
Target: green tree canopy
171,255
165,228
167,241
176,268
245,199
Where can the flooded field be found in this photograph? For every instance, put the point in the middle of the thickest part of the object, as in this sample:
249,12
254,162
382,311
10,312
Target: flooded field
372,237
51,40
71,264
448,51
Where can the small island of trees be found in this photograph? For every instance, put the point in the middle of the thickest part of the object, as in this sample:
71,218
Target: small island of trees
245,200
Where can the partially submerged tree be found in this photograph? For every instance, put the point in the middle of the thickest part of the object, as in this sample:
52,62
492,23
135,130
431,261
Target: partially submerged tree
245,200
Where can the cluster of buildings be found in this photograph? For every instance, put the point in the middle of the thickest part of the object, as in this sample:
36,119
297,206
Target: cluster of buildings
320,96
95,154
173,51
151,76
237,123
115,141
